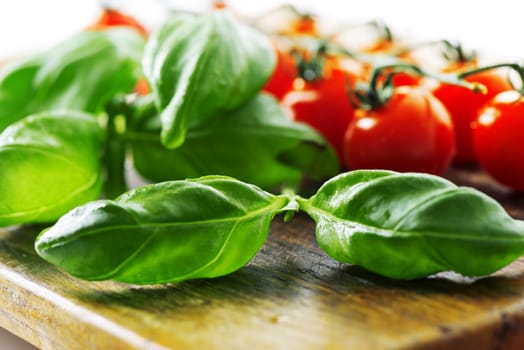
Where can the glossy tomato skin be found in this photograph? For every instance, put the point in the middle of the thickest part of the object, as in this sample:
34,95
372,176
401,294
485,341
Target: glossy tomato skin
463,105
324,105
406,79
412,132
285,72
498,138
401,78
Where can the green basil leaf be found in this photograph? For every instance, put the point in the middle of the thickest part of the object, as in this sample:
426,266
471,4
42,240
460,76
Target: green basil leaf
255,143
412,225
82,73
164,232
198,66
49,163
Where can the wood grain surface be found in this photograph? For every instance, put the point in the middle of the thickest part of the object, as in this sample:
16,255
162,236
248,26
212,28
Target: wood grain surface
291,296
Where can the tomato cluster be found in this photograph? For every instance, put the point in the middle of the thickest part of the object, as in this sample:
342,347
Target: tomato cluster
376,104
381,107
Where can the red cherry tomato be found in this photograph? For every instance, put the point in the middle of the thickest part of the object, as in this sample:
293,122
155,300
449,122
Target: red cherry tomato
142,87
323,104
412,132
304,25
463,105
498,139
281,81
405,78
111,18
219,5
401,78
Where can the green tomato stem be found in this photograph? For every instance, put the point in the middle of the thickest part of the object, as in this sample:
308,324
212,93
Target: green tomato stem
514,66
455,52
380,90
312,69
452,52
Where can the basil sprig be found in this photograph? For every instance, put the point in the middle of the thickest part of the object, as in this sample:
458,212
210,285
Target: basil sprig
201,66
205,115
398,225
208,81
164,232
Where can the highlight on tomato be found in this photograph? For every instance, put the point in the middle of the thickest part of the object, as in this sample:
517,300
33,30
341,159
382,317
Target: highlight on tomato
402,128
498,137
464,104
319,97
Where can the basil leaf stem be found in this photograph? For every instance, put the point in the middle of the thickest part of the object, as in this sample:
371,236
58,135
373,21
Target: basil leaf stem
412,225
165,232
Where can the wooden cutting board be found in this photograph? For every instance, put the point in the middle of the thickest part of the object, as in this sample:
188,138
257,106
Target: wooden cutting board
291,296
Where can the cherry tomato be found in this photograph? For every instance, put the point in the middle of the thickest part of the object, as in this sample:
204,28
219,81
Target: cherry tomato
405,78
305,25
463,105
401,78
111,18
323,104
218,5
142,87
412,132
281,81
497,138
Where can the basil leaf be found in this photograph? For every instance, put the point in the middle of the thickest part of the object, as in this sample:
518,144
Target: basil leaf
200,65
412,225
82,73
164,232
49,163
255,143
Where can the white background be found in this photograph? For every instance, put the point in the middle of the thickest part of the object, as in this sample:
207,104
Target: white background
493,27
